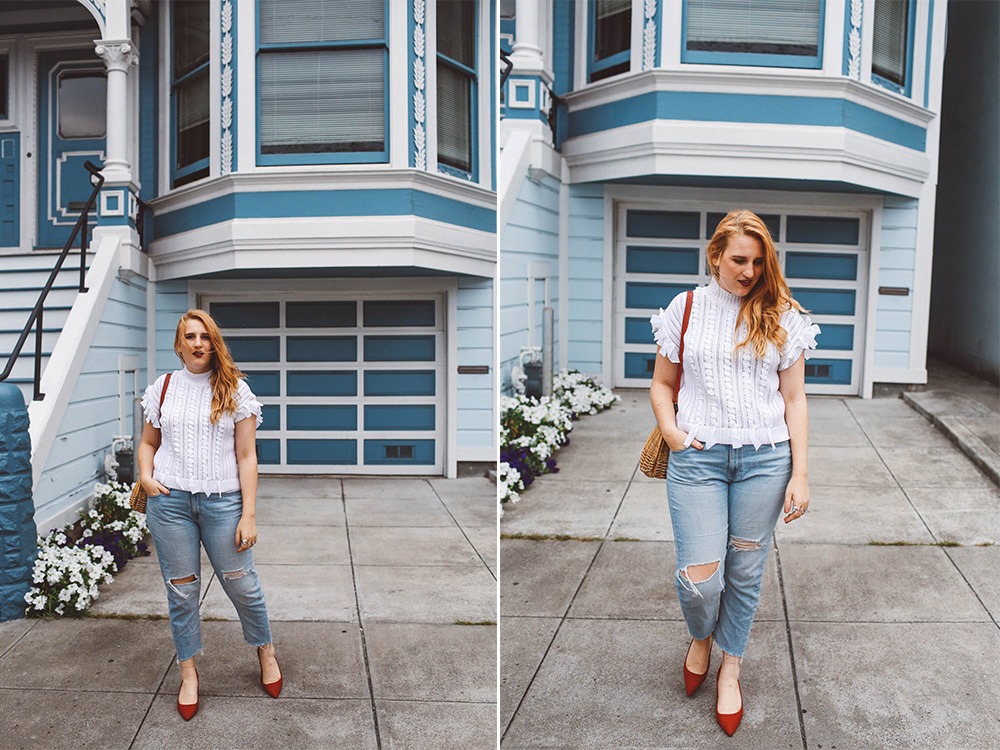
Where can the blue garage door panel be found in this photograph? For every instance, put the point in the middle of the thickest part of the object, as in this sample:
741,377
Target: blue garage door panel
399,417
651,296
264,382
246,314
826,230
269,451
676,225
399,382
321,314
322,383
836,336
821,266
661,260
399,314
399,349
638,331
322,349
401,452
639,365
833,371
272,417
773,222
317,451
318,417
826,301
254,348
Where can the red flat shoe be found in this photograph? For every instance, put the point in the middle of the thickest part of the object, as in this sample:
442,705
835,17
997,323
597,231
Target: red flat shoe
271,688
188,710
693,681
729,722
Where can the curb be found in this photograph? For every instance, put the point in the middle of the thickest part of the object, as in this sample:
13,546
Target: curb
980,453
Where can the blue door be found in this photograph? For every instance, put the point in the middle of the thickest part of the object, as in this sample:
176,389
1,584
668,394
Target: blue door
72,114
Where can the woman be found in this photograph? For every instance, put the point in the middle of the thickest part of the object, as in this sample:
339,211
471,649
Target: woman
738,442
198,464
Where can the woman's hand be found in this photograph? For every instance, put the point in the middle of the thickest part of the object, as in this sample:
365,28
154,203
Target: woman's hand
246,533
153,488
676,439
796,498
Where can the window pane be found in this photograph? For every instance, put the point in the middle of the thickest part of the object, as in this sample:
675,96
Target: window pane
190,31
780,27
315,101
83,105
890,38
4,88
192,119
294,21
456,30
454,111
612,27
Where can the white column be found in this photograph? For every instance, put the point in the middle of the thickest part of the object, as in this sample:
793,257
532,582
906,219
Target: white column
118,56
527,52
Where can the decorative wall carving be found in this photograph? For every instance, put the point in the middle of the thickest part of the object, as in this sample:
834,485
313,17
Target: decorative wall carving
649,36
419,84
226,90
854,41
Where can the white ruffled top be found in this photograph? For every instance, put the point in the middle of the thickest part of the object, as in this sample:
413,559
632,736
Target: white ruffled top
728,395
194,454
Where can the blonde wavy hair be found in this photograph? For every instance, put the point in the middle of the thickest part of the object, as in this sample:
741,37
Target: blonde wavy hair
762,308
225,375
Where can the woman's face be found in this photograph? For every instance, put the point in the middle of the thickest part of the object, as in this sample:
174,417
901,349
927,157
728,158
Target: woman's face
196,347
741,265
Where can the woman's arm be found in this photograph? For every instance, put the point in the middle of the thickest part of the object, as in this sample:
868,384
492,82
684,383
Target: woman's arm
792,386
661,396
246,461
148,444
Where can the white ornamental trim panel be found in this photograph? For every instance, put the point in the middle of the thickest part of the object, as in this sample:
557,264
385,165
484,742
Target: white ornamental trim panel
419,83
226,90
649,36
854,40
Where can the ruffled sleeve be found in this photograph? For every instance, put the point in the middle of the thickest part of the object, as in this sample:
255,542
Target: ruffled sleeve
151,402
667,329
247,405
801,333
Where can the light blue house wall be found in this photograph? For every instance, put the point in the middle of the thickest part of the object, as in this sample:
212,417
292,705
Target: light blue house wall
171,303
586,278
897,256
474,333
965,305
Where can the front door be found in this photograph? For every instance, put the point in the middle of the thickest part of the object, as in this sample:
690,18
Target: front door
72,115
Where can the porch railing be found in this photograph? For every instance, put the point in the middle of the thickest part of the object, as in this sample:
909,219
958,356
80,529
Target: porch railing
80,229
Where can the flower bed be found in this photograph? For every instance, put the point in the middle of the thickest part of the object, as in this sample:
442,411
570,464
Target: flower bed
532,430
73,561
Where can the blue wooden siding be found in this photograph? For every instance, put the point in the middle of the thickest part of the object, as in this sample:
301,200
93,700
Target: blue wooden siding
897,256
531,235
171,303
474,331
91,420
586,278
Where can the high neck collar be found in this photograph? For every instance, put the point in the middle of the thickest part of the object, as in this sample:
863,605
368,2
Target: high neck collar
202,377
716,292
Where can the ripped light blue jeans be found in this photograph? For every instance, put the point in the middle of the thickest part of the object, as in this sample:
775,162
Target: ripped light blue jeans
180,523
724,503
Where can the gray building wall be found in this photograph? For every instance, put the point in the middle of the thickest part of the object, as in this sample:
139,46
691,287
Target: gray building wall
965,301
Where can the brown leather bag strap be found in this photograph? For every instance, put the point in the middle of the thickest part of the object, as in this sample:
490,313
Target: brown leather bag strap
684,327
166,384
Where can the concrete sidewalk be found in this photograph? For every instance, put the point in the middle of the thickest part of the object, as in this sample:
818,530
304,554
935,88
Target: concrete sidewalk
878,626
382,598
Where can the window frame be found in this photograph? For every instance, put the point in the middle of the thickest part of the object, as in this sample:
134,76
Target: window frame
599,66
181,176
324,157
473,76
907,87
5,103
754,59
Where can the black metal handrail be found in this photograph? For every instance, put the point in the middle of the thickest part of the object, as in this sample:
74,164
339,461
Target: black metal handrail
35,319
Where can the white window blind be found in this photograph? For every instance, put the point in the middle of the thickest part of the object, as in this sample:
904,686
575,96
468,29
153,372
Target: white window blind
298,21
890,39
322,101
454,118
789,27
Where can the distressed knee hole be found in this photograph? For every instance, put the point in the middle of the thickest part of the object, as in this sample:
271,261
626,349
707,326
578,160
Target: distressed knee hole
700,573
185,579
743,545
234,575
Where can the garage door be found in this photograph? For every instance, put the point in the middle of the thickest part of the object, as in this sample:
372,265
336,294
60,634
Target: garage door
660,253
352,386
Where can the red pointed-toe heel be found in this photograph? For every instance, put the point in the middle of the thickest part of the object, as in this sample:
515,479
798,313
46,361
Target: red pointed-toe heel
188,710
271,688
729,722
693,681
